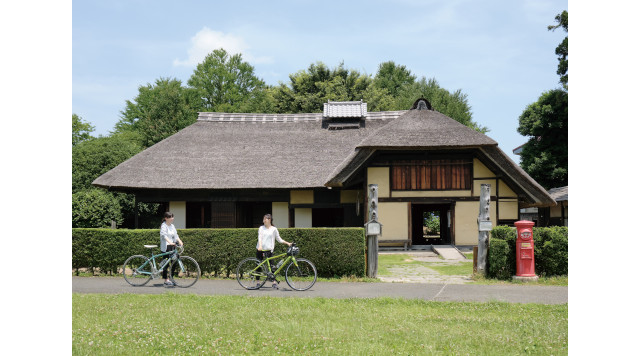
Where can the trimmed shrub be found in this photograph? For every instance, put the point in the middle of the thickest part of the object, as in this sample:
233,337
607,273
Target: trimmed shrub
335,252
551,249
498,260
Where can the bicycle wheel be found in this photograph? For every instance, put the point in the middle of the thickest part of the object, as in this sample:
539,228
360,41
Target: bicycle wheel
301,277
137,270
249,275
185,271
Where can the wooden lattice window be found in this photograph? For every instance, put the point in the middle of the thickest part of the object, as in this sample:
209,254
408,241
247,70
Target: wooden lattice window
440,174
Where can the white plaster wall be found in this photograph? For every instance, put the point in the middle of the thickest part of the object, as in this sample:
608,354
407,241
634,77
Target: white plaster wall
179,210
280,213
303,217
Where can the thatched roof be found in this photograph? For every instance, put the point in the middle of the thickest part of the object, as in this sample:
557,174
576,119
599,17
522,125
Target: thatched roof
228,151
294,151
425,128
560,194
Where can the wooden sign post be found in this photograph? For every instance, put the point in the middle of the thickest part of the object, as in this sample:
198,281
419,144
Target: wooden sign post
484,226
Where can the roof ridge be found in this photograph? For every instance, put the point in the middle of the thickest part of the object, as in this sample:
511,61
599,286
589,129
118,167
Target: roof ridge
297,117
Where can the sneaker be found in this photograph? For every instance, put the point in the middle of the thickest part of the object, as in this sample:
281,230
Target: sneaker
275,286
169,284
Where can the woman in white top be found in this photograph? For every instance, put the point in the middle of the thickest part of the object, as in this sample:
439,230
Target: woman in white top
168,239
267,234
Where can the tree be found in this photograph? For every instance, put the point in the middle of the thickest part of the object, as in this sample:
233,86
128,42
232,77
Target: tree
308,90
92,158
393,77
80,130
455,105
545,156
159,111
562,51
94,208
227,84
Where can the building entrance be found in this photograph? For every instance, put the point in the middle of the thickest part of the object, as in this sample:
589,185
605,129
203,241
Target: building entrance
430,224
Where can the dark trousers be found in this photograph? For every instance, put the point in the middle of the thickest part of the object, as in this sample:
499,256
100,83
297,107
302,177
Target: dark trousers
166,268
261,255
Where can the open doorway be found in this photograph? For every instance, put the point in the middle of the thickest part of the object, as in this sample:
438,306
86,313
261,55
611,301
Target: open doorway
430,224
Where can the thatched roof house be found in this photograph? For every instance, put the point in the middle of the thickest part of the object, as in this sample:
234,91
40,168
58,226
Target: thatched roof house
274,157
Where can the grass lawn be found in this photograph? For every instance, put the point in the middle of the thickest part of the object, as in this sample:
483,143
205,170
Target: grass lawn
127,324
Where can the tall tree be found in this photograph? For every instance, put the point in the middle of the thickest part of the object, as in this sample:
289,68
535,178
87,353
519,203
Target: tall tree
562,51
393,77
159,111
92,158
545,157
309,89
455,105
226,83
80,130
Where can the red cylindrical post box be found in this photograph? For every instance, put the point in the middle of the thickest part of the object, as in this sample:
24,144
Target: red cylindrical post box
525,262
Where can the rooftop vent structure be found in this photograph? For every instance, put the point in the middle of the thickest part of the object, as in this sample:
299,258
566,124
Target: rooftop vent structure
340,115
422,104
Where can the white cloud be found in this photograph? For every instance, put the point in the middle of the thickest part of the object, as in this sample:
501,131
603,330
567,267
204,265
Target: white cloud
207,40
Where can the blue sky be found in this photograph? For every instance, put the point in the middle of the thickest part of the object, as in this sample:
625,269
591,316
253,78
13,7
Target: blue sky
499,53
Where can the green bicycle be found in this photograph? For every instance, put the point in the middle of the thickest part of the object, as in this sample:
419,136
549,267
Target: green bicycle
138,270
299,273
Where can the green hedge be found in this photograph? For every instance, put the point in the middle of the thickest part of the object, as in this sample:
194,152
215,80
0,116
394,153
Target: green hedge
334,251
551,249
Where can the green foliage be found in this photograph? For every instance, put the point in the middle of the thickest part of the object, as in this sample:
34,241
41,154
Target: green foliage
551,251
92,158
562,51
80,130
545,157
432,222
392,77
159,111
308,90
552,247
498,265
94,208
227,84
455,105
335,252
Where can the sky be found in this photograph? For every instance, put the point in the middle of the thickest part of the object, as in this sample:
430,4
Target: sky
499,53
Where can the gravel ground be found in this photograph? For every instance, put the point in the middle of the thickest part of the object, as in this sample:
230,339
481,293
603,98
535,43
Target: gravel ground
422,274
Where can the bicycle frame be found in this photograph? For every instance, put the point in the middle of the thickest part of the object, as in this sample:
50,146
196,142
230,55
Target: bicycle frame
273,258
155,269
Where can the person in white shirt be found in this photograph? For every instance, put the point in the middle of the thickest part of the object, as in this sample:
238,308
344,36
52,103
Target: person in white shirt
168,239
267,234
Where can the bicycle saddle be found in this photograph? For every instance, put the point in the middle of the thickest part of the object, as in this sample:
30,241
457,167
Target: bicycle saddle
150,246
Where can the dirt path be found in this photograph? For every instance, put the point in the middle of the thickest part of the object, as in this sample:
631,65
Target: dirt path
414,273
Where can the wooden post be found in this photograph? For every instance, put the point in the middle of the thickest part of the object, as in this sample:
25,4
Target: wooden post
483,236
372,240
372,256
475,259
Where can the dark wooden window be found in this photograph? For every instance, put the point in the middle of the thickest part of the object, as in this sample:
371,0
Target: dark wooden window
223,215
439,174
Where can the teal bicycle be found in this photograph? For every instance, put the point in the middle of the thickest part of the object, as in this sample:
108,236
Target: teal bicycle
299,273
184,271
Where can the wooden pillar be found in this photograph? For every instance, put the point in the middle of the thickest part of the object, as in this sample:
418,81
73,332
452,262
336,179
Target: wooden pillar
483,236
372,256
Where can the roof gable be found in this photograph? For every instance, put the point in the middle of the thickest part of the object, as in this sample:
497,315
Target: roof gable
425,128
